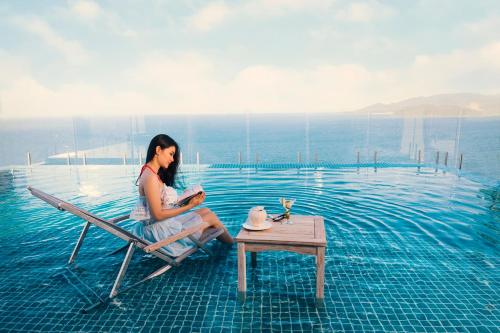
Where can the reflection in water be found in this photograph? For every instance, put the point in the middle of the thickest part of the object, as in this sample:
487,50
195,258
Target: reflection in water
491,194
6,181
89,190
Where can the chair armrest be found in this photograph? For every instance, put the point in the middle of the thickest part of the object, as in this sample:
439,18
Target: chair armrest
176,237
119,219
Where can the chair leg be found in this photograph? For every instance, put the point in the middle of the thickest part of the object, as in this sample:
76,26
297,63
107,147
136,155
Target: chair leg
79,243
123,269
156,273
115,292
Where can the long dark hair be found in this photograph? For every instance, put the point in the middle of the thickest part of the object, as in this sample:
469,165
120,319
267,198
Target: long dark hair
168,175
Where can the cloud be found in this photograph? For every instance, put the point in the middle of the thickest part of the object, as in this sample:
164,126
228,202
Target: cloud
92,14
270,8
215,14
366,45
87,10
482,30
364,12
490,54
72,50
192,83
12,67
456,68
116,25
209,16
27,97
322,88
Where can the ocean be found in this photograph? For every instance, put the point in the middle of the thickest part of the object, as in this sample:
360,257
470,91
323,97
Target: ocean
271,138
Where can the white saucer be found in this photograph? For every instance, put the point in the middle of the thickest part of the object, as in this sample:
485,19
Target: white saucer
266,225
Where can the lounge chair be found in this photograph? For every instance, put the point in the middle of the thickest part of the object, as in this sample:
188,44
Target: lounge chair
133,242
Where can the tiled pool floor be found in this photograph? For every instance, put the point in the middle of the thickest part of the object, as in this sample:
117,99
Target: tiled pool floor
368,288
377,279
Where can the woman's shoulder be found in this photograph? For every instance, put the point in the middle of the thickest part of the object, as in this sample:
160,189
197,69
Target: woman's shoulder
148,179
149,176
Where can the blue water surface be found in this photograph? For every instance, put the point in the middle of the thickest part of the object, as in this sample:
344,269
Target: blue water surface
409,250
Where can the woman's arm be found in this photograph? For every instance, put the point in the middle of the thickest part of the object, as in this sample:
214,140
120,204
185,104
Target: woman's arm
152,191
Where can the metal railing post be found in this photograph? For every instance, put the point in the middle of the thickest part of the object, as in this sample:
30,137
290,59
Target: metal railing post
124,158
460,161
357,157
29,159
298,157
140,158
68,161
437,162
375,157
446,159
419,156
84,159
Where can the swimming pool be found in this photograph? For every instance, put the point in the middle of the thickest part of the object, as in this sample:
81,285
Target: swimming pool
409,250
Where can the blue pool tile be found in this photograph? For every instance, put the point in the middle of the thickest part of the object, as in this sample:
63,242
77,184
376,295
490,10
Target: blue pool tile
383,273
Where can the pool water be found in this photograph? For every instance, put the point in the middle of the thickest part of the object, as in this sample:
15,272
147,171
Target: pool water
409,250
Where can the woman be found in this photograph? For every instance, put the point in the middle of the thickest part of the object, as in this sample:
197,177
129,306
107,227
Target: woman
158,216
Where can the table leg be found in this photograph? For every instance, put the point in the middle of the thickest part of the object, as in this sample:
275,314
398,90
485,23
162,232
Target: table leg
320,272
254,259
242,270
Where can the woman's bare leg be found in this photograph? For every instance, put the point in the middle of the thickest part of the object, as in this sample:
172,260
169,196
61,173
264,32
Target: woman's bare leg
208,216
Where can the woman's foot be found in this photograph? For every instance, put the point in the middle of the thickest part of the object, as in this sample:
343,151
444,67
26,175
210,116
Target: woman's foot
208,216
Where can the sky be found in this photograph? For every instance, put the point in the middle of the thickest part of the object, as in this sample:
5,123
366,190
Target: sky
124,57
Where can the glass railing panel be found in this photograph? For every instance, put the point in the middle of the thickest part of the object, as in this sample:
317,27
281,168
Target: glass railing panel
260,138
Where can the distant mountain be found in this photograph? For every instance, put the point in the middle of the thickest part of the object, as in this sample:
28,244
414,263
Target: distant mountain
446,105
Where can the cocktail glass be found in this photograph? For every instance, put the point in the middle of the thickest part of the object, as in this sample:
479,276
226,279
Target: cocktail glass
287,205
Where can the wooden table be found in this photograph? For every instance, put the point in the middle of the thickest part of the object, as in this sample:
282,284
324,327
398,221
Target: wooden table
305,236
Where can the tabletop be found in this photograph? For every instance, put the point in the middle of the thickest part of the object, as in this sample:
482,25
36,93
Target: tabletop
304,230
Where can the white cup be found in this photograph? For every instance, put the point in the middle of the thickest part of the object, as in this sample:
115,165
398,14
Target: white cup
257,216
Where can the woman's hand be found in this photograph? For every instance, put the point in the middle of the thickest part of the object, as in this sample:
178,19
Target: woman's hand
197,200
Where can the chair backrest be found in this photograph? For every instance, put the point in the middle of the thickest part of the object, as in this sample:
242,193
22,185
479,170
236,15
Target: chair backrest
89,217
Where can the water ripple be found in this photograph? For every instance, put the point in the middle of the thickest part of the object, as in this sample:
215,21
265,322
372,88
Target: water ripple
396,204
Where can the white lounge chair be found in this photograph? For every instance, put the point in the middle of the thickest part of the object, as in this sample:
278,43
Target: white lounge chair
133,242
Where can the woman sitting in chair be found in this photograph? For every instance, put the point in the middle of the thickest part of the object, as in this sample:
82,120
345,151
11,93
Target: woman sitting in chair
156,210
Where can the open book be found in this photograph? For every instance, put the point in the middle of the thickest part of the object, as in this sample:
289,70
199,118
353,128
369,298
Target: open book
188,194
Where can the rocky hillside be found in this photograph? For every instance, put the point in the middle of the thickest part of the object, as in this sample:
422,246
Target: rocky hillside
447,105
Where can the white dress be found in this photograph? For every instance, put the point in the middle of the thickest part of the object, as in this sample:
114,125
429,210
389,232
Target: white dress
149,229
